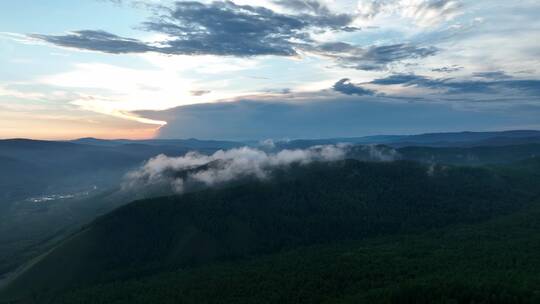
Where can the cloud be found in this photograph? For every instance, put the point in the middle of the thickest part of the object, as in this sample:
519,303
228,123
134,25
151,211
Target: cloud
380,153
375,57
218,28
378,56
200,92
430,12
345,86
310,6
404,79
194,169
5,91
497,75
449,85
448,69
526,86
97,41
422,12
493,83
370,8
224,28
325,114
267,143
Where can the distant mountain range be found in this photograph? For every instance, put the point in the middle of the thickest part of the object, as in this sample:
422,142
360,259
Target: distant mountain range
37,166
455,139
191,143
466,138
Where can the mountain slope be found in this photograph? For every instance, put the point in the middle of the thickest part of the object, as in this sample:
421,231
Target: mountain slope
299,206
493,262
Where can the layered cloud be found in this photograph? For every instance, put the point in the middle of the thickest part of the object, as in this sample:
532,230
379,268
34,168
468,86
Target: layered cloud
448,69
374,57
218,28
97,41
494,83
224,28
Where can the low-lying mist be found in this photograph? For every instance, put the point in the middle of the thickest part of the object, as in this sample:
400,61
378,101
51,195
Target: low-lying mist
178,173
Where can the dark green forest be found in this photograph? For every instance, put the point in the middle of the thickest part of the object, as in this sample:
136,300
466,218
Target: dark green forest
492,262
340,232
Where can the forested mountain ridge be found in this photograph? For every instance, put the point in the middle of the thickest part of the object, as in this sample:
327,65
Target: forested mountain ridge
49,189
299,206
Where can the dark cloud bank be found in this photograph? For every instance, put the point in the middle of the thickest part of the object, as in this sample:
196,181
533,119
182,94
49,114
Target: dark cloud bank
351,109
338,116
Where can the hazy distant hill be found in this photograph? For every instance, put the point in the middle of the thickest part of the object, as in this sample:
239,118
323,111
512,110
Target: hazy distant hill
456,139
471,155
88,161
191,143
466,138
54,166
17,176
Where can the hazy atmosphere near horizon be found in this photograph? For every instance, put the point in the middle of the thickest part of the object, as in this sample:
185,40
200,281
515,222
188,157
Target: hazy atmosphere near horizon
256,69
269,151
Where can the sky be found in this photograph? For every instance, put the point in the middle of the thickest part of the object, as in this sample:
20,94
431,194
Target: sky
258,69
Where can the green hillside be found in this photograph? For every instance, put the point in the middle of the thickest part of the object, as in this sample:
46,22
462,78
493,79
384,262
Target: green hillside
323,203
492,262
